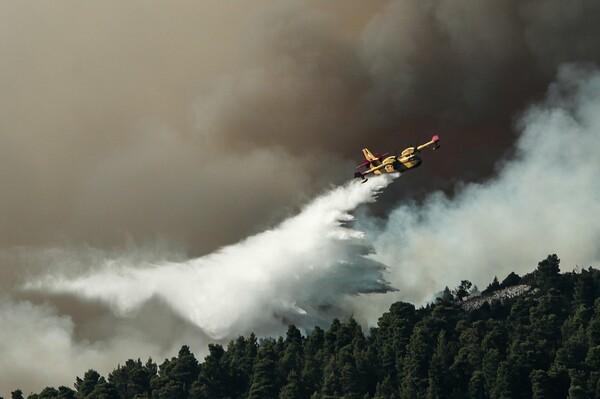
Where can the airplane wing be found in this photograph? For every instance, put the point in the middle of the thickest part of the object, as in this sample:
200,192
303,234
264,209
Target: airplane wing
435,142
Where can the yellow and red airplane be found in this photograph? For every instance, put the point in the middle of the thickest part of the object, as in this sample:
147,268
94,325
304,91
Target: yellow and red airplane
408,159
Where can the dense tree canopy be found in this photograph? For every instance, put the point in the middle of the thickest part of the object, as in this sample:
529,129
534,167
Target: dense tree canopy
542,344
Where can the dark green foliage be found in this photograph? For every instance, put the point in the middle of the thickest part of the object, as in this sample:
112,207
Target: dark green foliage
214,379
351,370
462,291
541,385
104,390
293,356
48,393
510,280
594,326
176,376
544,344
265,384
578,388
312,374
65,393
494,286
440,383
477,386
391,339
447,295
86,385
132,379
51,393
386,389
547,274
293,389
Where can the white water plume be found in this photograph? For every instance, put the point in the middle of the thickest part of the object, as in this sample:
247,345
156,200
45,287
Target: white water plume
303,271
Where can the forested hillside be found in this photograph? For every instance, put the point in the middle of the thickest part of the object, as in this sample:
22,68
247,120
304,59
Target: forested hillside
544,343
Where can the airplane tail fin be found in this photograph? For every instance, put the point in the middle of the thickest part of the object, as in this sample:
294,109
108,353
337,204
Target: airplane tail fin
368,155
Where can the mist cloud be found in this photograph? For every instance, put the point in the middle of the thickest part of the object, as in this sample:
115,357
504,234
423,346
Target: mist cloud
299,272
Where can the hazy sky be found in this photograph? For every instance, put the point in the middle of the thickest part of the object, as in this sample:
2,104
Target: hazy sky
155,132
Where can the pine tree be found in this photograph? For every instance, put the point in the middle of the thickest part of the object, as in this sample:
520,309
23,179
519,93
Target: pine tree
504,386
587,287
312,373
185,368
293,388
391,337
447,295
264,384
293,355
65,393
104,390
331,379
592,361
48,393
350,381
439,379
214,377
594,326
574,349
131,379
462,291
477,386
510,280
386,389
86,385
491,363
547,274
494,286
541,385
416,364
172,389
578,389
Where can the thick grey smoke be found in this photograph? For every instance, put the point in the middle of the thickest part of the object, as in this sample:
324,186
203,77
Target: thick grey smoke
131,120
176,130
545,200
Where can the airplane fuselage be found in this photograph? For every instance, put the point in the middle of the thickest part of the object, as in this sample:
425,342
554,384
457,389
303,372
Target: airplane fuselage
400,164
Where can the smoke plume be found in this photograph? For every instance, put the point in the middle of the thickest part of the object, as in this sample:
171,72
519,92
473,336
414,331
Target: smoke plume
138,136
148,122
544,200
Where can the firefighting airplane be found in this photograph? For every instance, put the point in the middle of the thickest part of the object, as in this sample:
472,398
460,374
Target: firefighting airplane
408,159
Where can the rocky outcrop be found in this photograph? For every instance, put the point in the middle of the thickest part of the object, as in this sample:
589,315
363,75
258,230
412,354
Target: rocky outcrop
500,295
